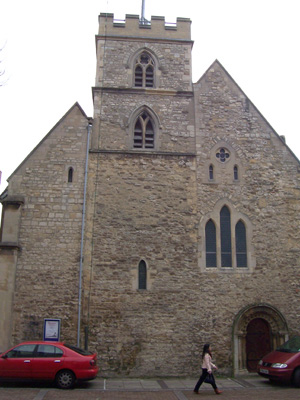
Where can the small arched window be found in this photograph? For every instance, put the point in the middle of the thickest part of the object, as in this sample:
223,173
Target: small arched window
235,173
211,172
142,275
143,137
144,71
211,244
225,226
70,174
241,245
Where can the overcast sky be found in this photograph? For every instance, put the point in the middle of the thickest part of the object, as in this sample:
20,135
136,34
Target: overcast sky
50,60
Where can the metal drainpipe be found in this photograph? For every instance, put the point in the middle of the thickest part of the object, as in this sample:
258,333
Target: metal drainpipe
82,230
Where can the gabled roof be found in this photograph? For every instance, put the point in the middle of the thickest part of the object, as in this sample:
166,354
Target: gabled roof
217,63
49,133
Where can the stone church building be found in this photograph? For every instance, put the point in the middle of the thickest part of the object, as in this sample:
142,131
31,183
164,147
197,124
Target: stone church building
168,220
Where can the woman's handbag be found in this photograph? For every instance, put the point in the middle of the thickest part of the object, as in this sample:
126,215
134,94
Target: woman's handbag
209,378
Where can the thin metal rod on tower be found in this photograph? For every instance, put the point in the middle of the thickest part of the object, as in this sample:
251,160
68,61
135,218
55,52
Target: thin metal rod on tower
143,11
143,20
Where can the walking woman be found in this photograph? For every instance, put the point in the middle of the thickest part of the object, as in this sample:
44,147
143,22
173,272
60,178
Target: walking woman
207,367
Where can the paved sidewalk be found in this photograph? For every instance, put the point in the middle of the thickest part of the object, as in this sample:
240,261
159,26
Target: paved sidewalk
242,388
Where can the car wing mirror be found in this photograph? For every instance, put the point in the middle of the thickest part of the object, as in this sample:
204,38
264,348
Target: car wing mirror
4,356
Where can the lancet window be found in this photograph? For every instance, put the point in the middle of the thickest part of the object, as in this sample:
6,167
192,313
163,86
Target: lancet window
225,242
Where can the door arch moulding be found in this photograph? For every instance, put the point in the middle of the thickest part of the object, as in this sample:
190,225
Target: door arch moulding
278,331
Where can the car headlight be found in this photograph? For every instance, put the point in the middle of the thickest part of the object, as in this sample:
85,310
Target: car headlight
278,365
260,362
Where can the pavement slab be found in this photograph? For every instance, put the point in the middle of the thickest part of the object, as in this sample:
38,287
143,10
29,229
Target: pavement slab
239,388
118,395
18,393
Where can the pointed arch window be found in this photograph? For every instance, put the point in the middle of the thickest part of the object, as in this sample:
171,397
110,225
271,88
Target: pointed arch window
144,71
70,175
227,244
225,227
211,244
143,137
142,271
241,245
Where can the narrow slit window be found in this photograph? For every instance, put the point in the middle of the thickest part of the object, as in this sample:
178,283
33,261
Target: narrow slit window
236,173
211,172
142,275
70,175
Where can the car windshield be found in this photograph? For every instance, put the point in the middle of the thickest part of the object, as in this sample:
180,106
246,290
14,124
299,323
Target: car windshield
78,350
291,346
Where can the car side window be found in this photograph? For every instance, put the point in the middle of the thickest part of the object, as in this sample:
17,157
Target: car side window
23,351
47,350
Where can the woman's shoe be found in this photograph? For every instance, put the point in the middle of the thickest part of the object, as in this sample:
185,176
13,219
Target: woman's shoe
218,391
195,391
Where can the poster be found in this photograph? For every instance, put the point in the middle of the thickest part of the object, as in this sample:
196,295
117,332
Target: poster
51,330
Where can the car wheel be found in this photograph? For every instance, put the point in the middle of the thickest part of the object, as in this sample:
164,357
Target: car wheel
296,378
65,379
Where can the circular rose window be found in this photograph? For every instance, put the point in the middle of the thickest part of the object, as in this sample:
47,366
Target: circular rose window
222,154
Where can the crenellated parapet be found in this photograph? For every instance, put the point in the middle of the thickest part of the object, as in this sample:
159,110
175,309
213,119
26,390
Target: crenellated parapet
156,28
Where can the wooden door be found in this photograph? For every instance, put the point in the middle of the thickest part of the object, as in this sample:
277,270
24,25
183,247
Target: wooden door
258,342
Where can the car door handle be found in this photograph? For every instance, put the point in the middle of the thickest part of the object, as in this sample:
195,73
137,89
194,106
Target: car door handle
57,361
26,361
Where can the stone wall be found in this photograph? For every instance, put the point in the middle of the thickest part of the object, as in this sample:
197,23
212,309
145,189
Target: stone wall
116,126
172,63
46,282
144,209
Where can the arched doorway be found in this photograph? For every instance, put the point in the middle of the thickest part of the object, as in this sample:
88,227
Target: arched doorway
256,329
258,342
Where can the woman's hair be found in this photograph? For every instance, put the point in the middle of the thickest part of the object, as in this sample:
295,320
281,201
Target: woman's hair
206,350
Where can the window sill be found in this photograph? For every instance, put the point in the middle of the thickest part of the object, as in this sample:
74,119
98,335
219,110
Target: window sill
228,270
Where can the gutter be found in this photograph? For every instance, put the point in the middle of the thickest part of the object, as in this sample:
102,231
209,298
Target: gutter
89,128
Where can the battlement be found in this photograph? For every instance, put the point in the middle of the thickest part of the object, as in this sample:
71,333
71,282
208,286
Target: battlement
133,27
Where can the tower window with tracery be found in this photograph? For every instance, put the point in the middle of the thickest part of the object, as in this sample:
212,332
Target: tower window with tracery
144,71
143,132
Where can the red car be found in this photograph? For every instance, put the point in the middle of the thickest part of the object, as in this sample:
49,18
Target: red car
57,362
282,364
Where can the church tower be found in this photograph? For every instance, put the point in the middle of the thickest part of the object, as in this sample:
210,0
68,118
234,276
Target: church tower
142,189
143,85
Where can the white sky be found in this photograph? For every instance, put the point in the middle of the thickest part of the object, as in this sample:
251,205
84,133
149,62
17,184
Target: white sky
50,60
